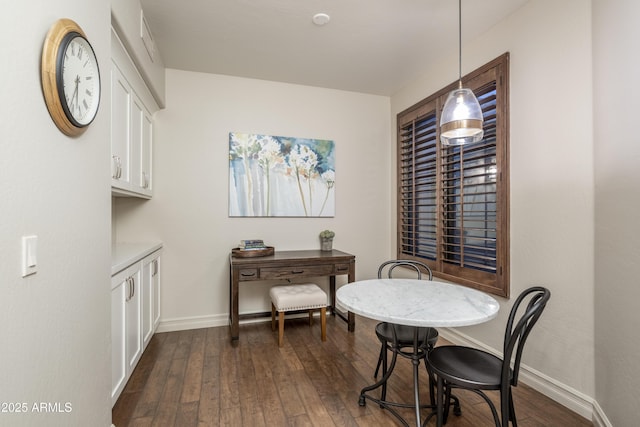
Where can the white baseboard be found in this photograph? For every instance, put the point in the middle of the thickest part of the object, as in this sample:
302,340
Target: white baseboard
186,323
567,396
599,418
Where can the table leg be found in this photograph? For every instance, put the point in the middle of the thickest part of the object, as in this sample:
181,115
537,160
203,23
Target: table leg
332,294
351,322
350,318
234,322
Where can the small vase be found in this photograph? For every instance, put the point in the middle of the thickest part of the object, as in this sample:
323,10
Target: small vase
326,244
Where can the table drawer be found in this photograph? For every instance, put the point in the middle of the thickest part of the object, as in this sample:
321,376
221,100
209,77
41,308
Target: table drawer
292,272
248,274
342,269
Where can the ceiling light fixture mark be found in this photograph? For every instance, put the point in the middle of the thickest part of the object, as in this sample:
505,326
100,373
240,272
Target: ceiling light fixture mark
321,19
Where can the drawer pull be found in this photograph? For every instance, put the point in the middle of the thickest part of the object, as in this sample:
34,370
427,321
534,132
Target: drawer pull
297,271
248,274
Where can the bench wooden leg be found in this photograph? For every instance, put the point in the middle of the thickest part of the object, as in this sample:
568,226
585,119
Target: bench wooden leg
273,317
281,329
323,323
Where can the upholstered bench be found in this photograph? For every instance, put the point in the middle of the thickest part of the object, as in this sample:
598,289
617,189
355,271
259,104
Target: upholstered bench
306,296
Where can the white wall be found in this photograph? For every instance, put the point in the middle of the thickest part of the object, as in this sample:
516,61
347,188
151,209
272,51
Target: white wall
189,210
617,156
55,325
551,156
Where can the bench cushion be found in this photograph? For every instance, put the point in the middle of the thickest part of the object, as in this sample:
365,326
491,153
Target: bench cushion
298,297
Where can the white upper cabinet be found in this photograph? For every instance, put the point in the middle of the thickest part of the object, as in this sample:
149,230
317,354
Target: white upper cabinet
131,127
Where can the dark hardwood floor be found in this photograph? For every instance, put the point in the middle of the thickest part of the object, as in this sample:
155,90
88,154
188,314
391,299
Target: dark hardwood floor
199,378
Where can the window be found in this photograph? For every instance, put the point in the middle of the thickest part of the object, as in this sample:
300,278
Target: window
453,201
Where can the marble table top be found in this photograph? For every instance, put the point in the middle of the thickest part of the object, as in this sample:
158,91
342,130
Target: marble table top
414,302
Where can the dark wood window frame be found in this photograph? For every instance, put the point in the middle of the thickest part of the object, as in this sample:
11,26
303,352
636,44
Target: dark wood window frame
453,202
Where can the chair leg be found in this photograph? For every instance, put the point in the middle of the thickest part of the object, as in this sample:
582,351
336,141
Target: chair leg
512,411
494,412
385,359
449,401
383,348
311,317
439,402
323,323
273,317
432,385
281,329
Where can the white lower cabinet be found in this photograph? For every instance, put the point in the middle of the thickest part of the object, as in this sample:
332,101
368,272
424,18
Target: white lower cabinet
151,296
135,314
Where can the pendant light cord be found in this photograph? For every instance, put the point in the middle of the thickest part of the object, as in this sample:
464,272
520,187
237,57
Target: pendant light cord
460,42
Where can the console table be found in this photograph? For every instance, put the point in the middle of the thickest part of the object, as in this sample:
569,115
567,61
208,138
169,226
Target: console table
288,265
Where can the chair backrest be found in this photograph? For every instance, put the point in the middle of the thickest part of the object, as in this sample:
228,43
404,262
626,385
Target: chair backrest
516,334
418,266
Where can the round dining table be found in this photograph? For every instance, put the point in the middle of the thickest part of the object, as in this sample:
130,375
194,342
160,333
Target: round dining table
418,303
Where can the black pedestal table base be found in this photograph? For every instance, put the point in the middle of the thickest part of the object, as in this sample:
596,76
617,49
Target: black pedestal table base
415,356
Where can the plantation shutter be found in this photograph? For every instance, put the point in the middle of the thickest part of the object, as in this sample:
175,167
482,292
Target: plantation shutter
418,187
453,201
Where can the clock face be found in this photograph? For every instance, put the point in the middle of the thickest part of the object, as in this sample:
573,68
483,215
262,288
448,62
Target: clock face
78,79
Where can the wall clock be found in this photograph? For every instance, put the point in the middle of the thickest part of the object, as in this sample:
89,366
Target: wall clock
70,77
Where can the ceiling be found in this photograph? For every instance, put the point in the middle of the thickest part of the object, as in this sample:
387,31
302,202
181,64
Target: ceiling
369,46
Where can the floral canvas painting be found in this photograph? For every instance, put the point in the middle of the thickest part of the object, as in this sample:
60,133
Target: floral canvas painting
278,176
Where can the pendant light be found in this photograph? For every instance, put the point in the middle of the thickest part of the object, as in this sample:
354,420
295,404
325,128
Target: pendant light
461,118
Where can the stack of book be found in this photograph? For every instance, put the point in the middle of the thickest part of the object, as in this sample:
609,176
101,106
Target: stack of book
252,245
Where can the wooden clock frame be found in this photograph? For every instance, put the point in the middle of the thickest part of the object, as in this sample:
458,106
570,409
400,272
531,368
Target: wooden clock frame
50,75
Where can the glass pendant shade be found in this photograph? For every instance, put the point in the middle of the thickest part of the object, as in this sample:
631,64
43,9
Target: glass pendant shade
461,119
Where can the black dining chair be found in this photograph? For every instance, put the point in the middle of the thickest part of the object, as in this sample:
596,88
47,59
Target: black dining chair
404,335
477,370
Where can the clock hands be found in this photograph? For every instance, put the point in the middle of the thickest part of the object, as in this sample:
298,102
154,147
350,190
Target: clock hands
77,81
74,96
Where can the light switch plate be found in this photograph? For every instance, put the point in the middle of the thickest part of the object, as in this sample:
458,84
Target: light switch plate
29,255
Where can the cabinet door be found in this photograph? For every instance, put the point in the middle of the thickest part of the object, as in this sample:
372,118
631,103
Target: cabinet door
150,296
147,154
118,333
120,129
141,127
147,300
137,121
134,318
155,287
